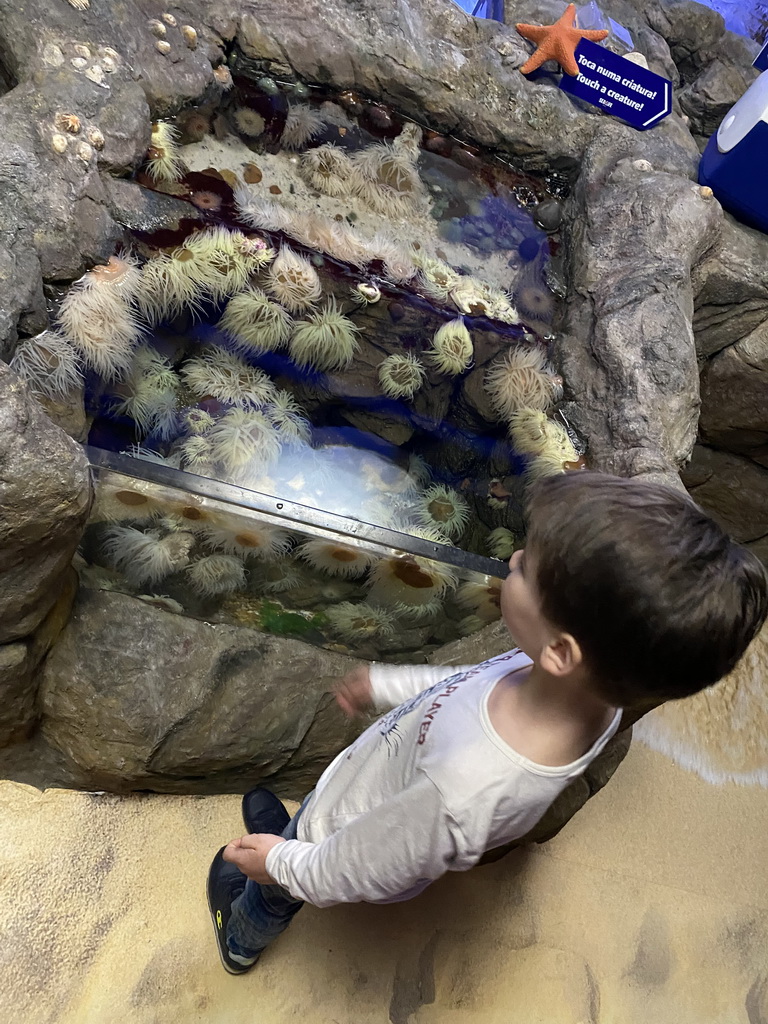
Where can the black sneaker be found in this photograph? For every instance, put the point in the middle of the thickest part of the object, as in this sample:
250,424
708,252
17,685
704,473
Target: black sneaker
225,883
263,812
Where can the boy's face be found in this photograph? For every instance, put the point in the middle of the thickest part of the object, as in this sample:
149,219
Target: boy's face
520,607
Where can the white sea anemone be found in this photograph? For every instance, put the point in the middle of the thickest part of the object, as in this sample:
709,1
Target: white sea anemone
410,580
170,284
333,237
293,281
222,254
366,293
288,418
451,350
48,364
443,508
418,470
418,613
249,122
256,323
302,124
98,319
436,278
388,180
359,622
335,559
261,213
146,557
116,502
195,420
481,597
244,439
148,394
500,543
330,170
522,378
325,340
197,454
277,577
216,574
401,375
164,162
248,537
533,433
256,251
471,295
222,375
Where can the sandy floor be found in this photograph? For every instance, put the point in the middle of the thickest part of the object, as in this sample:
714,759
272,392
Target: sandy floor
651,908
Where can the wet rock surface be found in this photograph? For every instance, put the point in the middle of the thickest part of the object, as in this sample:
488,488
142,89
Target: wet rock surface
45,503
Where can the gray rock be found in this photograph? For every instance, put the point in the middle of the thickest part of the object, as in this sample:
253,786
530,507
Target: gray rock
691,29
709,98
627,352
141,209
141,698
734,397
732,489
45,502
730,288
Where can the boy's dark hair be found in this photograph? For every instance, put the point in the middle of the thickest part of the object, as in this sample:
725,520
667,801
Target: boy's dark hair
661,601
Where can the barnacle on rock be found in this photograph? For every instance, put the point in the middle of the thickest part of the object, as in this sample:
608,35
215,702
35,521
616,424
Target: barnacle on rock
451,350
366,293
189,35
223,76
401,375
67,123
157,28
59,142
163,46
326,340
95,138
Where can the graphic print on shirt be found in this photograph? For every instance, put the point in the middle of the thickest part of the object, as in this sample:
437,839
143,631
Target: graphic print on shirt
389,724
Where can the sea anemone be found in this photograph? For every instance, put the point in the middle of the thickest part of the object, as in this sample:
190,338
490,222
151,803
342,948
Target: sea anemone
443,508
418,471
148,394
337,239
410,580
210,201
197,454
249,122
330,170
221,255
481,597
359,622
302,124
260,213
223,76
325,340
164,162
248,537
116,502
288,417
534,434
256,323
242,439
222,375
473,296
97,317
436,278
195,420
451,350
256,251
216,574
194,125
293,281
418,613
335,559
48,364
388,180
277,577
500,543
366,293
146,557
534,300
170,284
522,378
401,375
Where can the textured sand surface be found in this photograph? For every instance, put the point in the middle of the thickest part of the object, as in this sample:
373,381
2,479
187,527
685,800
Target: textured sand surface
651,908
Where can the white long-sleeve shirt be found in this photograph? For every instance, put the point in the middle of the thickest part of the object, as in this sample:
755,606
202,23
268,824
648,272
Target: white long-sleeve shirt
428,788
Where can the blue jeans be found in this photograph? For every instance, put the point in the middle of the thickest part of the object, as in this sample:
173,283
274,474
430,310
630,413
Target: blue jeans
262,912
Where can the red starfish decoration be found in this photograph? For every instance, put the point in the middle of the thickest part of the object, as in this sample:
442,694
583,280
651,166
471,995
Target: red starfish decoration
557,42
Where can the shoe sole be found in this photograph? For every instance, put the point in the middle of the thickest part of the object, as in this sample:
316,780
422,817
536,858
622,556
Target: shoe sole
224,963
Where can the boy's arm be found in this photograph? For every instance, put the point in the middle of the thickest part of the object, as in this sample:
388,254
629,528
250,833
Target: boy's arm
410,839
393,684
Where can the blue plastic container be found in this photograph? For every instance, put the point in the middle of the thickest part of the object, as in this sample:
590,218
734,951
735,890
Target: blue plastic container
734,162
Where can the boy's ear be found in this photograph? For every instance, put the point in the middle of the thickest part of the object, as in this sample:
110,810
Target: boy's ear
561,655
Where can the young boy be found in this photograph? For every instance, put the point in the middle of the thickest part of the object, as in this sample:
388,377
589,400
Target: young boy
626,593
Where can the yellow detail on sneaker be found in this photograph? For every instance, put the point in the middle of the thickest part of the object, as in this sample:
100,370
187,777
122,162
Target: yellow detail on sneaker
219,922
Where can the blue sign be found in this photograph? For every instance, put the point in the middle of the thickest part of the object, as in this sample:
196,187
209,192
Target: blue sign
619,87
484,8
761,60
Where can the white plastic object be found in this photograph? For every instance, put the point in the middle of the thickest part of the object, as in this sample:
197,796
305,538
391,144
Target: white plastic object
744,115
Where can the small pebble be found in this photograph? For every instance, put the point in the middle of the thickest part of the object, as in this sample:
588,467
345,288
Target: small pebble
548,215
380,117
252,174
351,103
268,86
437,143
275,190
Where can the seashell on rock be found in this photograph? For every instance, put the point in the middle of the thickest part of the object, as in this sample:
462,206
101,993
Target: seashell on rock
95,138
96,74
52,55
59,143
190,36
157,28
162,46
79,63
83,51
169,19
85,152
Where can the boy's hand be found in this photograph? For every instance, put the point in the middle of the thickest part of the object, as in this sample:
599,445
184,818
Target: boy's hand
354,693
250,855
